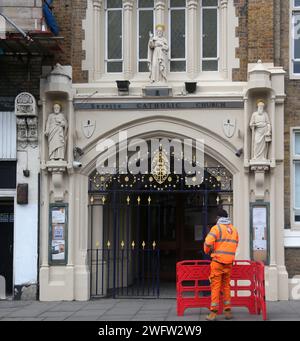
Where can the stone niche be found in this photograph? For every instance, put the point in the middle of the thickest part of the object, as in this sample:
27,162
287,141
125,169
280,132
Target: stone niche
57,96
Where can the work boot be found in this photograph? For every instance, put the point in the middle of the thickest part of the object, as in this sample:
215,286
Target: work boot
212,316
228,314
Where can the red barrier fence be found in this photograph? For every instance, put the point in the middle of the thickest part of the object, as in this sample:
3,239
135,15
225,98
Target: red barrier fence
247,286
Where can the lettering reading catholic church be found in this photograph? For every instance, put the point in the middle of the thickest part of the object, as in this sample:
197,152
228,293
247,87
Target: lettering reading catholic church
160,105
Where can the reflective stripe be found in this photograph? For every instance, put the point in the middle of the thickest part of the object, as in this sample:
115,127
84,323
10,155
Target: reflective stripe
210,246
227,241
225,253
227,302
212,234
214,304
220,231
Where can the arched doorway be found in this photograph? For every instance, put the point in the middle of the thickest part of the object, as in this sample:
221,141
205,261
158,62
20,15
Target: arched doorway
139,227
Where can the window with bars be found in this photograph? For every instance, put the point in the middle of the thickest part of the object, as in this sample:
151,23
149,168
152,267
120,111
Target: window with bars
177,25
114,36
295,30
145,26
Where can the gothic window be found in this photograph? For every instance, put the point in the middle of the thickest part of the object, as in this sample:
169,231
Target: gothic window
145,26
210,43
114,39
177,26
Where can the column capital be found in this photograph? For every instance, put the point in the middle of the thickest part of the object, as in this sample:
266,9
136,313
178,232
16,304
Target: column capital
224,3
128,5
97,4
160,4
192,4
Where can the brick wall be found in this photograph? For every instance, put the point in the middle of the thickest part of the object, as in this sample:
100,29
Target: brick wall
292,257
20,74
255,33
69,15
292,104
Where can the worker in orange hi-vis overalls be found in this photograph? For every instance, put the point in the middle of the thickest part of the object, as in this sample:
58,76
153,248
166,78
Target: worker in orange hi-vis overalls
221,243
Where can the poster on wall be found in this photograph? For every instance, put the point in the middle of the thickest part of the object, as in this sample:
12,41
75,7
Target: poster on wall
260,220
58,232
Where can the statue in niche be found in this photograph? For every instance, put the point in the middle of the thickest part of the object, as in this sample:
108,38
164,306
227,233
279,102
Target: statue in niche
261,132
158,55
56,131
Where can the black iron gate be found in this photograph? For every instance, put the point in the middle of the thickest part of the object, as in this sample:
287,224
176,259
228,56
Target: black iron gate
138,229
127,261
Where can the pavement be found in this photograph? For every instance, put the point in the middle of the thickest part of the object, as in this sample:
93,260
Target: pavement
130,310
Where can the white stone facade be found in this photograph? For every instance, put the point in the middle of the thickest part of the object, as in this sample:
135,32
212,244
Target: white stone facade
99,102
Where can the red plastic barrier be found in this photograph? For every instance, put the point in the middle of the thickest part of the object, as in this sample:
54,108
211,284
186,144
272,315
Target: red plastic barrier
247,286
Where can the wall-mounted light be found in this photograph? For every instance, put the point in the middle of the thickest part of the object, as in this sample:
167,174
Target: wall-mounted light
123,87
190,87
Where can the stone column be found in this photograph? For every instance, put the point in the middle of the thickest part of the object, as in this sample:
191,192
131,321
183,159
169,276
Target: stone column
43,140
224,38
273,123
128,39
71,130
192,36
247,157
44,219
97,7
160,6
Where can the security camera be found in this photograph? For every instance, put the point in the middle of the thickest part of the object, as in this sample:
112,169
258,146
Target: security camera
77,164
77,152
239,152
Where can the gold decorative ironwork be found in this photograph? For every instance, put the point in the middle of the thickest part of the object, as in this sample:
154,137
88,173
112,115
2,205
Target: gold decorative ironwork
97,244
149,200
128,200
139,200
92,199
133,245
108,244
160,167
154,245
143,245
122,244
103,200
218,200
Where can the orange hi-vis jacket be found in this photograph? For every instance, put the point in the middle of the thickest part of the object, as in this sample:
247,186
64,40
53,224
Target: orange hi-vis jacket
222,242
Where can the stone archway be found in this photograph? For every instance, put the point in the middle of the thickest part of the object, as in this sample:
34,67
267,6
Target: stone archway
216,147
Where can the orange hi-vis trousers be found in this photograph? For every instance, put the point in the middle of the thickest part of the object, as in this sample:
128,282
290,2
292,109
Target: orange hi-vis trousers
220,282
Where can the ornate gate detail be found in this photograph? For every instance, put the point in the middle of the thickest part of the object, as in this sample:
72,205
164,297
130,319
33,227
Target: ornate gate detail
127,257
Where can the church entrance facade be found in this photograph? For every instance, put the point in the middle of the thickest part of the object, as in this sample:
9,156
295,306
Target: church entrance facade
120,233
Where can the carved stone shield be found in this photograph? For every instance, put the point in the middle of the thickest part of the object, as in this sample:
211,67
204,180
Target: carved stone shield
229,127
88,128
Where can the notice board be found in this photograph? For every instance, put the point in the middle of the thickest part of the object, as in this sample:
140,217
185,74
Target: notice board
58,232
260,232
